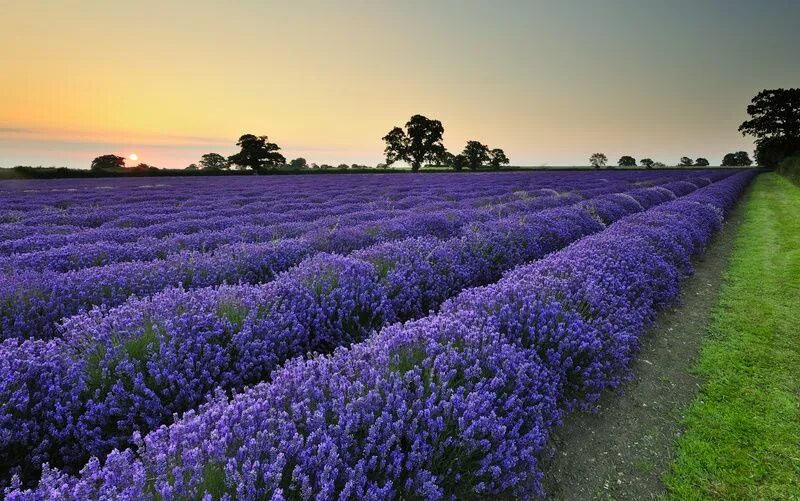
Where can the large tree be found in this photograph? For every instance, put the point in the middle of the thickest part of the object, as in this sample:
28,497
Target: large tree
701,162
647,162
497,157
213,161
106,162
626,161
476,154
775,123
686,162
257,153
420,142
738,159
598,160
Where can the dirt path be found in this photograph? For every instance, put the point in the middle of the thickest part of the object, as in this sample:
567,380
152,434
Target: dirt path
622,452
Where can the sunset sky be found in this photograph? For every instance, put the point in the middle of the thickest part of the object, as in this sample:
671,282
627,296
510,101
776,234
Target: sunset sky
549,81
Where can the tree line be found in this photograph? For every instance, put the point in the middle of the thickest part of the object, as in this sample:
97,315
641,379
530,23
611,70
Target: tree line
737,159
774,122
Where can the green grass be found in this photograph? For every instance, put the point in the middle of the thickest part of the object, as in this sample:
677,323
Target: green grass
742,438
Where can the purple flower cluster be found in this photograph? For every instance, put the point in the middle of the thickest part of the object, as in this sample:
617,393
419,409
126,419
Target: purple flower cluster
32,303
457,404
148,358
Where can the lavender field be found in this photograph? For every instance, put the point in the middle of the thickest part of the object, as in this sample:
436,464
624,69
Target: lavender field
322,336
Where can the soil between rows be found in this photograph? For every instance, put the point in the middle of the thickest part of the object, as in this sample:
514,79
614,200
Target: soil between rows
622,451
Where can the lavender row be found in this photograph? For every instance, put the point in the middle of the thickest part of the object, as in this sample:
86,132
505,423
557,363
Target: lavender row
33,198
31,304
458,404
219,201
138,215
135,366
102,247
111,246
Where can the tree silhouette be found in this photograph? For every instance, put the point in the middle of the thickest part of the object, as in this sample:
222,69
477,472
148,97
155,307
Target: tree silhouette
497,157
738,159
598,160
775,113
106,162
192,167
658,164
626,161
420,142
476,154
459,162
647,162
257,153
686,162
298,163
701,162
213,161
775,123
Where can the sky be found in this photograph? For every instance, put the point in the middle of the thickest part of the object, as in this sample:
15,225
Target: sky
550,82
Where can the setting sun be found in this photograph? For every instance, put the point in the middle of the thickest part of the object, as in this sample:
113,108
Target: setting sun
133,156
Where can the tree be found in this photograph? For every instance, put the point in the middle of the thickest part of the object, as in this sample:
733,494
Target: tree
257,153
497,157
459,162
658,164
213,161
343,167
701,162
647,162
298,163
192,167
626,161
770,151
775,123
420,142
598,160
106,162
476,154
686,162
738,159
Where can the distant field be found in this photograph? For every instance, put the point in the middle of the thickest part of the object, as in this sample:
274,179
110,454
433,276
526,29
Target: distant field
127,302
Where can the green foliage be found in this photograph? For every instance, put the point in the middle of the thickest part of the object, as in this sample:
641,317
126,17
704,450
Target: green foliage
790,168
685,162
743,430
497,157
626,161
701,162
257,153
420,142
476,154
774,113
108,162
213,161
213,480
298,163
775,123
738,159
598,160
770,151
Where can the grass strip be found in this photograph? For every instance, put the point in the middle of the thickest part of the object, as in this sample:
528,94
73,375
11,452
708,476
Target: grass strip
742,438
